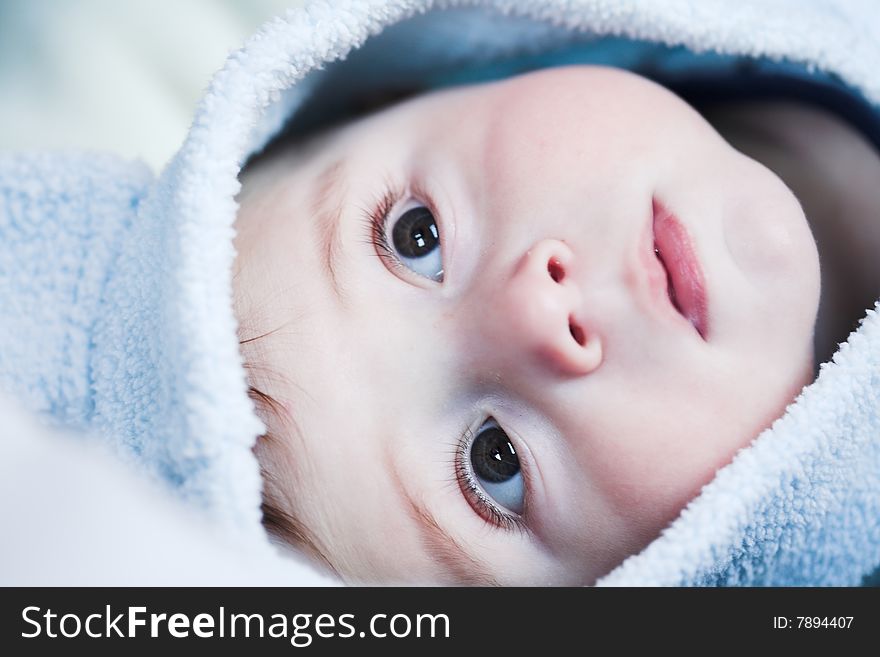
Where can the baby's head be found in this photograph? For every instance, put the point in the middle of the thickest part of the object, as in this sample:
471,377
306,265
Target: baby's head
509,330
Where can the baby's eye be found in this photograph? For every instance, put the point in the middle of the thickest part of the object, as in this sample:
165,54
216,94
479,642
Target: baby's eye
415,239
496,468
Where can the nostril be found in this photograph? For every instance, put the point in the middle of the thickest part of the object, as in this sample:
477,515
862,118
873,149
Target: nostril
554,268
576,332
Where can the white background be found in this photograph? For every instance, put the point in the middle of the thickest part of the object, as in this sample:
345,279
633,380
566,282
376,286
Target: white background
114,75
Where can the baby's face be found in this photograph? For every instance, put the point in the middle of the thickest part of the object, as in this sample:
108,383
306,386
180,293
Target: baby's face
519,325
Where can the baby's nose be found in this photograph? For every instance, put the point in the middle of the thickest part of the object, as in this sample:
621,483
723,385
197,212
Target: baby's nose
540,316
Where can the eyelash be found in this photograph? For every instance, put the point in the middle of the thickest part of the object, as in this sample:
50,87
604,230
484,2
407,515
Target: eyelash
480,502
376,224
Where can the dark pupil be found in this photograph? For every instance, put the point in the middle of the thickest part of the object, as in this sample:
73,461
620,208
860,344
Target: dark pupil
493,457
415,233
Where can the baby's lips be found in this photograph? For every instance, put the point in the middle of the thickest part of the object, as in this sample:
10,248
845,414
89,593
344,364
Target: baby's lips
679,257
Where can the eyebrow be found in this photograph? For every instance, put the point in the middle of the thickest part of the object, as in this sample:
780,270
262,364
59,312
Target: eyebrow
326,206
439,543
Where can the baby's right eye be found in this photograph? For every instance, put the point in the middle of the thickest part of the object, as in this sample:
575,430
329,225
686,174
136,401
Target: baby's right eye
496,467
415,240
490,475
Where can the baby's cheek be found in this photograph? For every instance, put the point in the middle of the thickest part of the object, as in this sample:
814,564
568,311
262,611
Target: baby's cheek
653,475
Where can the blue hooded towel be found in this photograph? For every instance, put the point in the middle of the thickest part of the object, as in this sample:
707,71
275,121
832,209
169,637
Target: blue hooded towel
115,286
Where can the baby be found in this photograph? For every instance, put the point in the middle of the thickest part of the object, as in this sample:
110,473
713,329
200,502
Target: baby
503,333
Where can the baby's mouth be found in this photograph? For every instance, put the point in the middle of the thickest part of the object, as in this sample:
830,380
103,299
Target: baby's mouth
686,285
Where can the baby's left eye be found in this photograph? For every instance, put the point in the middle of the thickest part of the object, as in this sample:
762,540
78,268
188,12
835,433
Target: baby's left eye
415,238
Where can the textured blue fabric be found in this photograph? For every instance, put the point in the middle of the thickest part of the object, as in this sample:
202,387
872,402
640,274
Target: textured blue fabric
107,327
62,222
